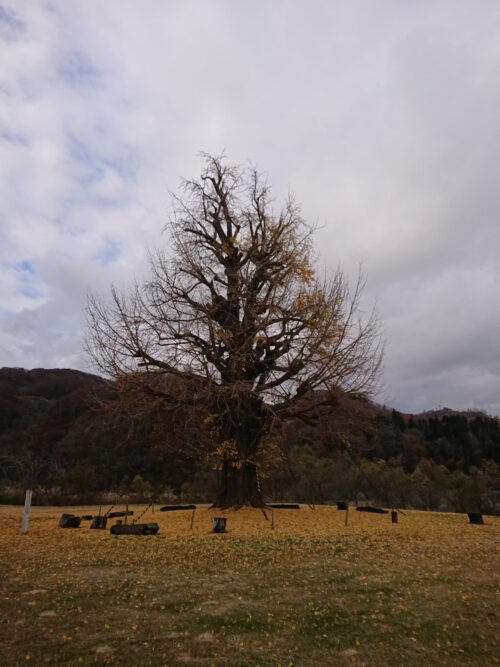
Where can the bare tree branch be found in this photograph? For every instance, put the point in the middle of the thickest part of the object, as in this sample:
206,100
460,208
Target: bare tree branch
240,308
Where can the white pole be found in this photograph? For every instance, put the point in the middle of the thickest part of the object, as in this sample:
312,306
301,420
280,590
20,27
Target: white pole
26,513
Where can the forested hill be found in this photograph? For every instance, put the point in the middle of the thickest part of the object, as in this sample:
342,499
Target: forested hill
25,395
56,431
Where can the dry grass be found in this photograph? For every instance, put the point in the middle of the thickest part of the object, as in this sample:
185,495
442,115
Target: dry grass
311,592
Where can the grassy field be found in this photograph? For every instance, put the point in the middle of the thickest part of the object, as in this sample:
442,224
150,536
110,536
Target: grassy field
311,592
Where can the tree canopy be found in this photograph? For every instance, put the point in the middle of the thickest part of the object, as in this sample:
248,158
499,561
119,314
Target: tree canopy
235,310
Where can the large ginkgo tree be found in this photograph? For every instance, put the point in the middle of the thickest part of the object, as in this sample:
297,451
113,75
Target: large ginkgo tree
235,318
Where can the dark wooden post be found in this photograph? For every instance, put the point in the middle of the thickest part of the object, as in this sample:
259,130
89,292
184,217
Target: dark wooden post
69,521
99,522
394,516
219,524
26,512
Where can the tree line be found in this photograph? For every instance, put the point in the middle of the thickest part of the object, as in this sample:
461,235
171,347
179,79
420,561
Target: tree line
59,435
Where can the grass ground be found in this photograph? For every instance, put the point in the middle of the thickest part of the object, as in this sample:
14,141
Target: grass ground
312,592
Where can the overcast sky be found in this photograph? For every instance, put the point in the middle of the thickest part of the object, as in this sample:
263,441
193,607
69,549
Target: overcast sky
382,117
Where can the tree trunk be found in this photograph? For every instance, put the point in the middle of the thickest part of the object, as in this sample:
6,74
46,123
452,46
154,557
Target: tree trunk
239,486
239,482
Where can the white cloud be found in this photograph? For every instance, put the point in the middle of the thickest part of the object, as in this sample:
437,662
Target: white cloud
382,118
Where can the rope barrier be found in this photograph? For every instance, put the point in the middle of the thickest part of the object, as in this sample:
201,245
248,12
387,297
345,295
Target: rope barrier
143,512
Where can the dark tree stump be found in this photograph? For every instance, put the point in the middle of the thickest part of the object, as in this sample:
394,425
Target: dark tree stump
373,510
475,517
150,528
69,521
174,508
135,529
99,522
341,505
219,524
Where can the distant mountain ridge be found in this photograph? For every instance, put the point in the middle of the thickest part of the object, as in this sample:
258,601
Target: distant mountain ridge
470,414
26,394
16,382
56,431
48,382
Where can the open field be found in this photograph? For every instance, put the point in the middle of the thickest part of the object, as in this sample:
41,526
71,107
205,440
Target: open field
311,592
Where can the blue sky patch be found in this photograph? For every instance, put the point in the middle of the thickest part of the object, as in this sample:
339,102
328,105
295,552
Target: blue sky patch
122,160
31,292
125,164
11,26
79,152
110,251
29,285
14,138
24,266
79,70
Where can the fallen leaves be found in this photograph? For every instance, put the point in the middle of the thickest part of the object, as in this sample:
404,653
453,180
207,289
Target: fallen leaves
425,587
